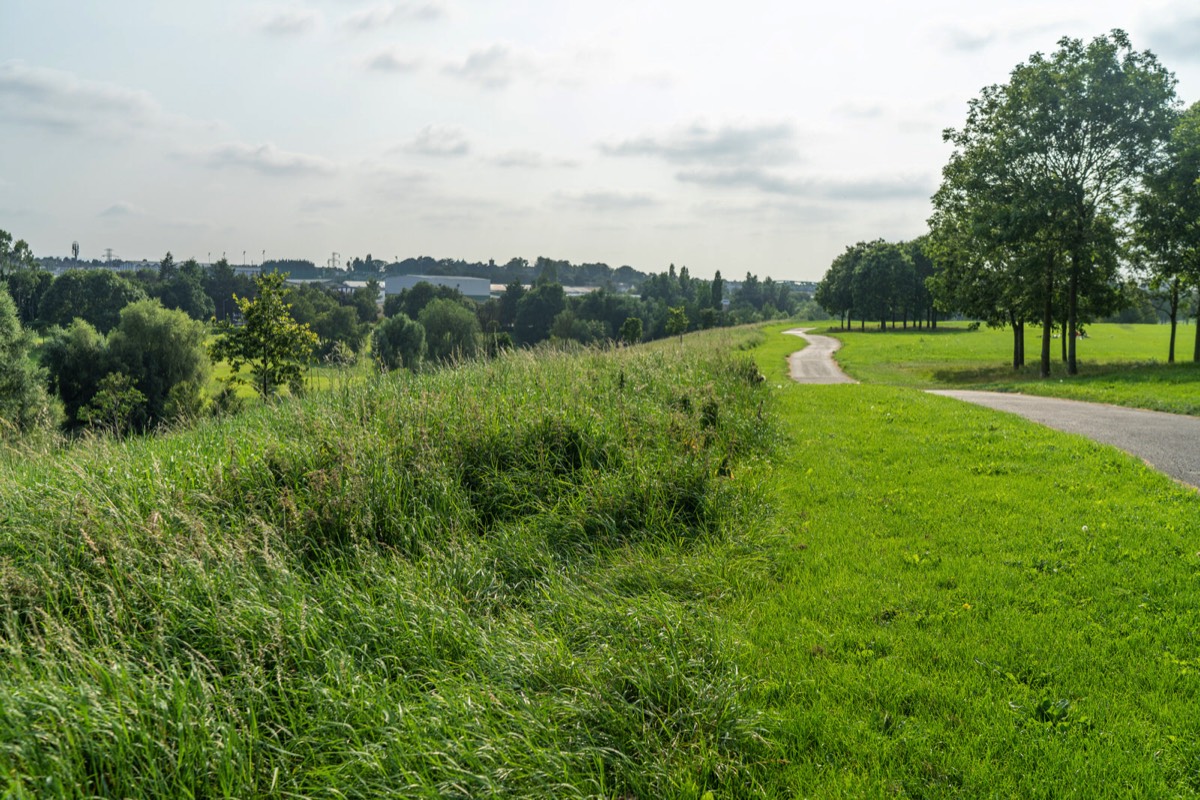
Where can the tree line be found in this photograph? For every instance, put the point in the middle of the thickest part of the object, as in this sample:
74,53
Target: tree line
132,351
1071,190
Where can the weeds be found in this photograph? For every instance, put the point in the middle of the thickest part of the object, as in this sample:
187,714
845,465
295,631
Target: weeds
409,586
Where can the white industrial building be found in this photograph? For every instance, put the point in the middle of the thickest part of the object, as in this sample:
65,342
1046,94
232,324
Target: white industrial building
475,288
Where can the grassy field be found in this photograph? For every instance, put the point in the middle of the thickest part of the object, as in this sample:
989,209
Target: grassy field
1119,364
965,604
646,572
498,580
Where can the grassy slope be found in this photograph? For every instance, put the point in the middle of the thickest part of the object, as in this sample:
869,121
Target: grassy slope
1119,364
966,604
496,580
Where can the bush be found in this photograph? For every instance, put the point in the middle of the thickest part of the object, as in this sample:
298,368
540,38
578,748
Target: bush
398,342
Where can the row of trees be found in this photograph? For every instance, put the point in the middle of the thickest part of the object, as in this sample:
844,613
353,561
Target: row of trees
880,281
133,351
1064,184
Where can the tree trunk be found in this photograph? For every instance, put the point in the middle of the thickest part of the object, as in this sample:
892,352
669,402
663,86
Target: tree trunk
1174,318
1196,352
1073,317
1012,320
1063,342
1047,319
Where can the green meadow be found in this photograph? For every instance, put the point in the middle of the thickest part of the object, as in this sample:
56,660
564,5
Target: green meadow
965,604
1118,364
659,571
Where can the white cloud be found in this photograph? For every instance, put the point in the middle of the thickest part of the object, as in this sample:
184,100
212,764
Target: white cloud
59,101
442,141
290,22
855,189
604,201
391,61
1175,32
381,16
528,159
493,67
266,159
730,144
122,209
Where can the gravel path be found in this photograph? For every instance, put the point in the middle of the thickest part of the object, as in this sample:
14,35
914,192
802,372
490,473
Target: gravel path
1168,442
815,364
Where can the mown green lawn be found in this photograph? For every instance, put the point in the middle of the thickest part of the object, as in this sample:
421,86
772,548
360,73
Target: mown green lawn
1119,364
960,603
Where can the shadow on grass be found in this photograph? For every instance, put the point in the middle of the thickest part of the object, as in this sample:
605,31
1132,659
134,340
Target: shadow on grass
895,331
1000,377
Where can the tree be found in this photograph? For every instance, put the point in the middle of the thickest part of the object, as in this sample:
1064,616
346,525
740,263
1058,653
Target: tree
96,295
27,287
536,311
163,353
631,330
677,322
115,405
76,359
182,287
398,342
1066,139
223,286
1168,220
14,256
451,330
270,341
23,403
717,293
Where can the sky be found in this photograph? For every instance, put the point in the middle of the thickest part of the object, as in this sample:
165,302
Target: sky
760,136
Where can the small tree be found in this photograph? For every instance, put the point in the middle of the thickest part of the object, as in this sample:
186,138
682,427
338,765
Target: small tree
451,330
631,330
116,402
677,322
270,342
398,342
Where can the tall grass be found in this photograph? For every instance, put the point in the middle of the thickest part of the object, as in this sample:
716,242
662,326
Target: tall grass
493,580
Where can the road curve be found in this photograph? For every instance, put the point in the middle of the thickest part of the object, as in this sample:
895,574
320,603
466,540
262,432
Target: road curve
1168,442
815,364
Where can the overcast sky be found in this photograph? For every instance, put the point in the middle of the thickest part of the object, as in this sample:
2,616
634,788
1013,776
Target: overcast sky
761,135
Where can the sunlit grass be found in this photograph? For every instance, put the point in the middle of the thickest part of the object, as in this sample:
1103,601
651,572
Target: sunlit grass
498,579
1119,364
960,603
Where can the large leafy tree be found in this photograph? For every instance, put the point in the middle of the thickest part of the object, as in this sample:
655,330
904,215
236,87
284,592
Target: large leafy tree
162,351
77,360
451,330
1045,164
398,342
1168,220
94,295
23,402
270,342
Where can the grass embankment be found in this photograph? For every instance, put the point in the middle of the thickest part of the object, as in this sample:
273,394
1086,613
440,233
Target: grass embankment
965,604
497,580
1118,364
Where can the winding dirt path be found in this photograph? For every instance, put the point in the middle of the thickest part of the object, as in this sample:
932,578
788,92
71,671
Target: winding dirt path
815,364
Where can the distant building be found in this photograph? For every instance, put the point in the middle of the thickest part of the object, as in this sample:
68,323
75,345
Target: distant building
479,289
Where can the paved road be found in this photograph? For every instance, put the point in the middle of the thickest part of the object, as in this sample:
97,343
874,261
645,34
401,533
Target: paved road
1168,442
815,364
